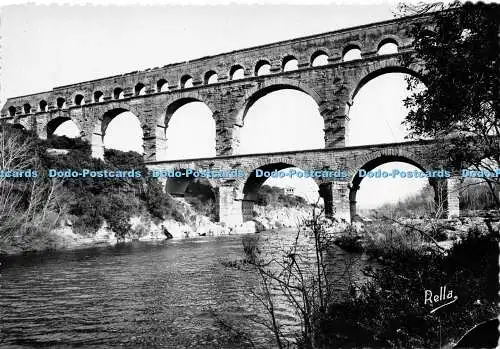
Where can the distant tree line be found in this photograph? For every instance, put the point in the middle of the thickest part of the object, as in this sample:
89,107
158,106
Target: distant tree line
276,197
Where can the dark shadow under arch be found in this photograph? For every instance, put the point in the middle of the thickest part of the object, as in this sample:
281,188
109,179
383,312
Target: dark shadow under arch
183,186
53,124
253,184
18,127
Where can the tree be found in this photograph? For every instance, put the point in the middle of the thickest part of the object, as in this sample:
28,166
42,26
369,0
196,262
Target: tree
25,199
460,50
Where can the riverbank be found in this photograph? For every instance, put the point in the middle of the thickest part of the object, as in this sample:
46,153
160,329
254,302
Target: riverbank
64,236
378,237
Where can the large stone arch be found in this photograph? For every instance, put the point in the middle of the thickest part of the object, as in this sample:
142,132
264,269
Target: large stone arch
382,156
173,105
262,88
272,84
106,115
376,68
368,162
357,79
265,161
246,188
54,123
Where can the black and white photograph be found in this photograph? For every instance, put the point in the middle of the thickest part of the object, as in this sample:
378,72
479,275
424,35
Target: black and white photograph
249,174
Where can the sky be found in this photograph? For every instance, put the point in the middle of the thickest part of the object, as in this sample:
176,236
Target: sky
48,46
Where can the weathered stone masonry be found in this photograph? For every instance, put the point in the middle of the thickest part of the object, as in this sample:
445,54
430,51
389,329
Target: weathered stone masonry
235,197
153,96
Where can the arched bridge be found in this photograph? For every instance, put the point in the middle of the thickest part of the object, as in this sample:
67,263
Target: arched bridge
330,67
235,196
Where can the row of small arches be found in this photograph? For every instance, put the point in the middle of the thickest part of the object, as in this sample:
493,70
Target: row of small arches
263,67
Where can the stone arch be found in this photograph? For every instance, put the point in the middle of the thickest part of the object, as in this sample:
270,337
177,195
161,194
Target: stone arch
106,115
61,103
381,68
163,129
161,85
272,85
12,110
317,53
288,59
234,69
380,157
42,105
352,45
27,108
372,160
98,96
357,79
210,77
164,118
260,64
388,39
139,89
186,81
247,188
78,99
118,93
54,123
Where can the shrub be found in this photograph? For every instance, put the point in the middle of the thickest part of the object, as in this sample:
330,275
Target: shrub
387,240
250,247
388,311
349,241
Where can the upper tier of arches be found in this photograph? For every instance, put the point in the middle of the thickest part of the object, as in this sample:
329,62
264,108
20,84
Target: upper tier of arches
290,58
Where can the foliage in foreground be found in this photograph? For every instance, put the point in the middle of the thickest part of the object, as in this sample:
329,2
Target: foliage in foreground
389,310
386,309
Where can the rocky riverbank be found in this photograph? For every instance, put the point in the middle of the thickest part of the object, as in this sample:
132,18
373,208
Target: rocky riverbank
143,228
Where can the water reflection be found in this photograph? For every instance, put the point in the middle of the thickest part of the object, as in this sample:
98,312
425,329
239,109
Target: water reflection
173,294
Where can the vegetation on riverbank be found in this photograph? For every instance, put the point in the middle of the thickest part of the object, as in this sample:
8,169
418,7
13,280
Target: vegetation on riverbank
390,308
270,196
474,195
387,308
34,206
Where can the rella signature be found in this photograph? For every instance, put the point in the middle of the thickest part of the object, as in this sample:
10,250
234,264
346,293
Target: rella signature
445,297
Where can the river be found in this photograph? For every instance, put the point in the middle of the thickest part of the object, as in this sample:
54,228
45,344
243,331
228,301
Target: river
170,294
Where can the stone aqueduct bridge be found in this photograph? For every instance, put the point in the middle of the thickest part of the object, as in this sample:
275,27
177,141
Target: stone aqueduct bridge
155,94
235,197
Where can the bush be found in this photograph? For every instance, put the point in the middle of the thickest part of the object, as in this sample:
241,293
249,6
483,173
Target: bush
388,240
350,241
91,201
203,206
388,311
251,247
